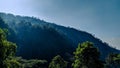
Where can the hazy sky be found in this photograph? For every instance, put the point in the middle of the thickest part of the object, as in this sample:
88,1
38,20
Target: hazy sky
99,17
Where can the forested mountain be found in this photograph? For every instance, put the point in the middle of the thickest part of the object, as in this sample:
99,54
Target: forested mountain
43,40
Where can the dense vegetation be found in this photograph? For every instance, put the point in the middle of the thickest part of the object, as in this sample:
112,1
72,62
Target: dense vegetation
86,56
7,49
47,40
7,55
37,39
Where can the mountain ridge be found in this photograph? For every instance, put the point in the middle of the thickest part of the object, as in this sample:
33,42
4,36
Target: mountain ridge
62,39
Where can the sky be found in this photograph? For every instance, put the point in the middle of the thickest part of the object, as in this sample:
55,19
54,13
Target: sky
98,17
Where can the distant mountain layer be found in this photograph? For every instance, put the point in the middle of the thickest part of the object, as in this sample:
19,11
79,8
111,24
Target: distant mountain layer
43,40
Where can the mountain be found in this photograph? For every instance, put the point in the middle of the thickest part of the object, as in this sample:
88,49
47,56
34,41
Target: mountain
38,39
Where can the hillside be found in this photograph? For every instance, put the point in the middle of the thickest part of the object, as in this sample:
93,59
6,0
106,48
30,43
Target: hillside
43,40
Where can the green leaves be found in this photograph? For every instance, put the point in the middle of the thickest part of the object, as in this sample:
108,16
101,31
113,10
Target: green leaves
113,61
58,62
86,55
11,63
7,49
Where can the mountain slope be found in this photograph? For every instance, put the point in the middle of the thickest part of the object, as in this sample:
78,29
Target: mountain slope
39,39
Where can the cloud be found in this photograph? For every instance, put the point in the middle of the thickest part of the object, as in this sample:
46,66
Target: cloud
113,41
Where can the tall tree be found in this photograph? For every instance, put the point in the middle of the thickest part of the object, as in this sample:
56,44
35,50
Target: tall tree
58,62
87,56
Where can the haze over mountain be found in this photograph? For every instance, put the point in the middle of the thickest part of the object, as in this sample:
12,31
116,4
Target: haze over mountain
39,39
99,17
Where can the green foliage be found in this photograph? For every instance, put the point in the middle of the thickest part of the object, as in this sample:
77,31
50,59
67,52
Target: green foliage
58,62
18,62
87,56
11,63
7,48
32,63
113,61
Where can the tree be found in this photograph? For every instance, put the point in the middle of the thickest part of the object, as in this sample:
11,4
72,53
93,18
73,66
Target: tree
113,61
87,56
58,62
7,49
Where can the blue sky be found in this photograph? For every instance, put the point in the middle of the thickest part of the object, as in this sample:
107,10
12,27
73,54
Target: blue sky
98,17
